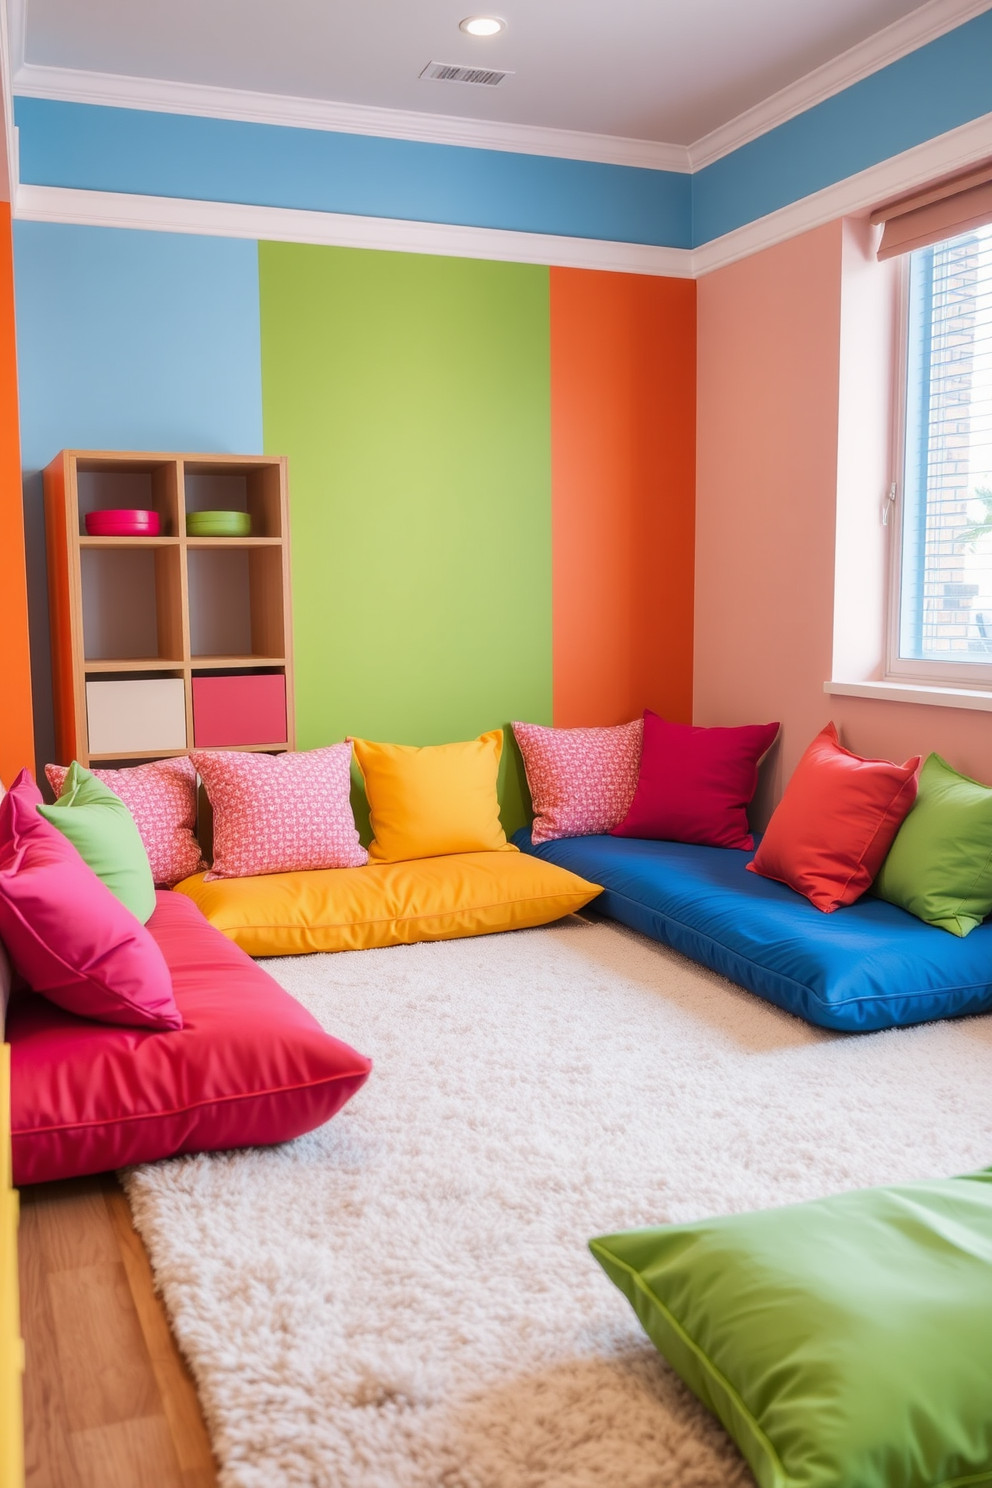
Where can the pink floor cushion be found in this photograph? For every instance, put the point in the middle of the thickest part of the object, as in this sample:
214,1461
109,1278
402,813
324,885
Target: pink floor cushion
249,1066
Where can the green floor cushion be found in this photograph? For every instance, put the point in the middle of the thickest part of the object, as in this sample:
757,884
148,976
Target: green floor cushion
940,865
845,1343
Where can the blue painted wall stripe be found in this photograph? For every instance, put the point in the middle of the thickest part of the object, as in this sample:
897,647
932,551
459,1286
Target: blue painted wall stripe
940,86
127,340
110,149
136,340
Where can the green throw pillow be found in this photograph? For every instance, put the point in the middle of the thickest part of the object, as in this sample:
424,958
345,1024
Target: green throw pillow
102,831
940,865
845,1343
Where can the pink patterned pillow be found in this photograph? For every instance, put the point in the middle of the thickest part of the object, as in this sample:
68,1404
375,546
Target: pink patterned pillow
280,813
581,780
161,797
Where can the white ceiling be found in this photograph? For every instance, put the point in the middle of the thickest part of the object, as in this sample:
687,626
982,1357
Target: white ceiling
664,70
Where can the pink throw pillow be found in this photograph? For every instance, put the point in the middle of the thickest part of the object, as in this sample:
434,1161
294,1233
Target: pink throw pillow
696,784
581,780
67,934
161,797
281,813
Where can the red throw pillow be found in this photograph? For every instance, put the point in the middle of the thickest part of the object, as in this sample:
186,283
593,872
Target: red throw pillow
835,823
67,934
695,784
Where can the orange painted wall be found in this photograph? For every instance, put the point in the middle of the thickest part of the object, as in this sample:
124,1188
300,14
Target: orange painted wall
623,472
16,728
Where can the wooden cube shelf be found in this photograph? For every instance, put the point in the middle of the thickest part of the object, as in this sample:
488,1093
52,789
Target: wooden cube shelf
136,608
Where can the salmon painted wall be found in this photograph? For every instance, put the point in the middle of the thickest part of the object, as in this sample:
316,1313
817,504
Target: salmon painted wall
772,413
769,348
16,726
623,457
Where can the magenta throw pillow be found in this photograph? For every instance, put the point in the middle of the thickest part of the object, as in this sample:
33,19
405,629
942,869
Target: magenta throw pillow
66,933
695,784
581,780
280,813
161,796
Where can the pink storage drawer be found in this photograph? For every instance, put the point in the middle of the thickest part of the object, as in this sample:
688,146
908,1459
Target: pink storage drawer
228,711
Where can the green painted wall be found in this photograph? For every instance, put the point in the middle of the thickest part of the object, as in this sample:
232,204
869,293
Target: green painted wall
412,396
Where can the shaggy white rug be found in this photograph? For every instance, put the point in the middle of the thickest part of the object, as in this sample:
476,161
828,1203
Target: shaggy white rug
404,1299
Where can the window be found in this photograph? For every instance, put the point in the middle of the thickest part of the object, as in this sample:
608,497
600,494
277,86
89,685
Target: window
941,623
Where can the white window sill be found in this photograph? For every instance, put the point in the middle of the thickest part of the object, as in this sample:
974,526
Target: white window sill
915,692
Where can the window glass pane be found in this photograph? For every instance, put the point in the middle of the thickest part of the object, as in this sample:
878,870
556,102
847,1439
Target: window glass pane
946,591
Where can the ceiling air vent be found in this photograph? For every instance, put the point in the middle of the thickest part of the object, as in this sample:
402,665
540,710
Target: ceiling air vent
447,72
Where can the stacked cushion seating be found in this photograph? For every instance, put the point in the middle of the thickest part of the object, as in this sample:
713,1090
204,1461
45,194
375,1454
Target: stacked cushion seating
384,904
249,1065
868,965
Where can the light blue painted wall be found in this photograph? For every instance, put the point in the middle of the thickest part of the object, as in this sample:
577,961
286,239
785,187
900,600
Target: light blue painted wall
940,86
127,340
111,149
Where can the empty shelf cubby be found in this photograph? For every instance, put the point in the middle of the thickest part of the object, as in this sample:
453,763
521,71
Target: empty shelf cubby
131,601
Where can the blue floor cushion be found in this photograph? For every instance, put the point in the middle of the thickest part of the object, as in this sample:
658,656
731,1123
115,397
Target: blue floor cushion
868,966
845,1343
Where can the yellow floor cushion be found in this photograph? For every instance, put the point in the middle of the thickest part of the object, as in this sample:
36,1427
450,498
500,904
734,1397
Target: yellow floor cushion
383,904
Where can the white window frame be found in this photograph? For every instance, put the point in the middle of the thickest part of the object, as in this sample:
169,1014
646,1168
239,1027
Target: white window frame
970,676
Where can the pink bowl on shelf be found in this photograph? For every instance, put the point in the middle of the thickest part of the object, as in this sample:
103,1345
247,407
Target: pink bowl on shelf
123,522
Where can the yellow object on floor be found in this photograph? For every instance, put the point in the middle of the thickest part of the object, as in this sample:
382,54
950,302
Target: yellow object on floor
440,798
11,1347
353,909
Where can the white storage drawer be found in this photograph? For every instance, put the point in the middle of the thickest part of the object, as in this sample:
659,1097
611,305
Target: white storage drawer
142,716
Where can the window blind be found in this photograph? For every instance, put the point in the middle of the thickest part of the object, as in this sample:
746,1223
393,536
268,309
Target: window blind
947,520
941,211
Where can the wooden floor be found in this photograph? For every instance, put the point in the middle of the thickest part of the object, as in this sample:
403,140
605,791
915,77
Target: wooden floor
108,1401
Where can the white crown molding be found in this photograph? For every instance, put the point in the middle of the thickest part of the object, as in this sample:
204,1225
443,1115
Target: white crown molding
925,24
160,96
284,224
856,194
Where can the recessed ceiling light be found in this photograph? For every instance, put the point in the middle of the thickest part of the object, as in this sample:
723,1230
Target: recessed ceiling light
482,25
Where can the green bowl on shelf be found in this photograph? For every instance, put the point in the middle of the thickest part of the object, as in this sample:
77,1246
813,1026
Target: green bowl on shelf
218,524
